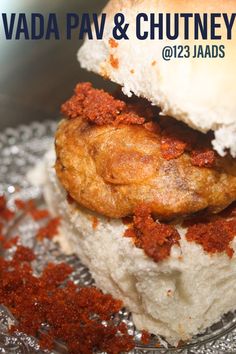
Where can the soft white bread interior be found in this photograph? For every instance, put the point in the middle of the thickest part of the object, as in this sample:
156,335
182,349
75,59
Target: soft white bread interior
200,92
176,298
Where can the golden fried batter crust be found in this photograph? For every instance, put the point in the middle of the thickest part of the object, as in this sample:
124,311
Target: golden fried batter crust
112,169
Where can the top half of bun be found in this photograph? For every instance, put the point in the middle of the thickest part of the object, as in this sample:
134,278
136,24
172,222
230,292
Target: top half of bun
200,92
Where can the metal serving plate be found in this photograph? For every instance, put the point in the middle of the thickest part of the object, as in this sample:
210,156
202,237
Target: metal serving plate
20,149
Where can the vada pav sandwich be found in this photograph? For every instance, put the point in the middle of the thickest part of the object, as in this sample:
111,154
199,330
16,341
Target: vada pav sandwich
145,180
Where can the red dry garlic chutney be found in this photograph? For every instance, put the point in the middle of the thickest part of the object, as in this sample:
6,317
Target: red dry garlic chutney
74,314
95,222
214,233
101,108
204,158
172,148
114,61
113,43
47,231
29,207
50,230
154,238
145,338
5,213
177,139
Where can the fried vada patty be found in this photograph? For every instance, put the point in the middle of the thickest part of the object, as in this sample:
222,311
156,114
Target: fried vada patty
111,169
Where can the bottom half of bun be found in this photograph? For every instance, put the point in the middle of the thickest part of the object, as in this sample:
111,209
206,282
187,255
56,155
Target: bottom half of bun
176,298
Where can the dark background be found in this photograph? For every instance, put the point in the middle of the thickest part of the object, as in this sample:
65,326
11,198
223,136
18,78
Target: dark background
37,76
